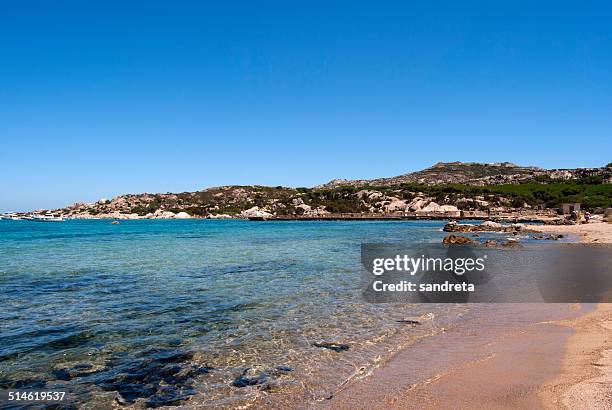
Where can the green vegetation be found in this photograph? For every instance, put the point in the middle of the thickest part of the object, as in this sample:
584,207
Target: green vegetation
589,191
344,199
553,195
143,210
339,200
609,165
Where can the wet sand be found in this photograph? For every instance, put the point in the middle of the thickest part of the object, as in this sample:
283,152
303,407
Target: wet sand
549,356
501,358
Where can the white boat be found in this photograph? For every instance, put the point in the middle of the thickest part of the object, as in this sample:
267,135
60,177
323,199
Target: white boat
11,217
47,218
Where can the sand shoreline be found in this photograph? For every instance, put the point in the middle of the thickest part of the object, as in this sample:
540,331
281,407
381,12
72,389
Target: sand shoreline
586,233
500,358
585,381
550,356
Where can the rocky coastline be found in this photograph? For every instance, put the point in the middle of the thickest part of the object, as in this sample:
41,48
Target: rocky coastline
497,192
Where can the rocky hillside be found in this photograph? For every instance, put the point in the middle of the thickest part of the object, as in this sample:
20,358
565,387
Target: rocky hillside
247,201
445,187
472,173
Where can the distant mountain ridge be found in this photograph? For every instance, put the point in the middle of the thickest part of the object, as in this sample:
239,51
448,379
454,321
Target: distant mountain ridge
474,173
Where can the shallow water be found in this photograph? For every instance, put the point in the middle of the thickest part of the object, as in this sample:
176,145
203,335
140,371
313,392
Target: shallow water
199,312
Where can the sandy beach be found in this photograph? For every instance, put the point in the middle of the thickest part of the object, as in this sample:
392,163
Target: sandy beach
587,233
585,380
550,356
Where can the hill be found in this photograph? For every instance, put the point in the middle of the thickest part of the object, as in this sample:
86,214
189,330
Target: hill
473,173
444,187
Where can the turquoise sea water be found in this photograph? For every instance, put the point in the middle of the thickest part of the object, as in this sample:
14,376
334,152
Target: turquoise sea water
195,312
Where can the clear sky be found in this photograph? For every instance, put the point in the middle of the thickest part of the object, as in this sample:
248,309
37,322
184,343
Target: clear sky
110,97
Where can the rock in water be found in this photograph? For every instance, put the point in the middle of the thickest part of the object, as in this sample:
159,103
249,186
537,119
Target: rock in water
161,376
487,226
491,225
258,376
336,347
550,237
510,244
284,368
249,378
409,322
456,239
453,226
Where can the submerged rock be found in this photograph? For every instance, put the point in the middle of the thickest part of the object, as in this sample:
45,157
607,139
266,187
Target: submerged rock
161,376
409,322
284,368
61,374
23,384
336,347
66,373
509,243
549,237
254,376
250,377
169,396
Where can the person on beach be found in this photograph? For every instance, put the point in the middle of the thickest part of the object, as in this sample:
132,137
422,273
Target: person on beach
587,216
574,216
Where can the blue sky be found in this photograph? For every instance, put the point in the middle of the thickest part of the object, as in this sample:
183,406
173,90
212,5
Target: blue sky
103,98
